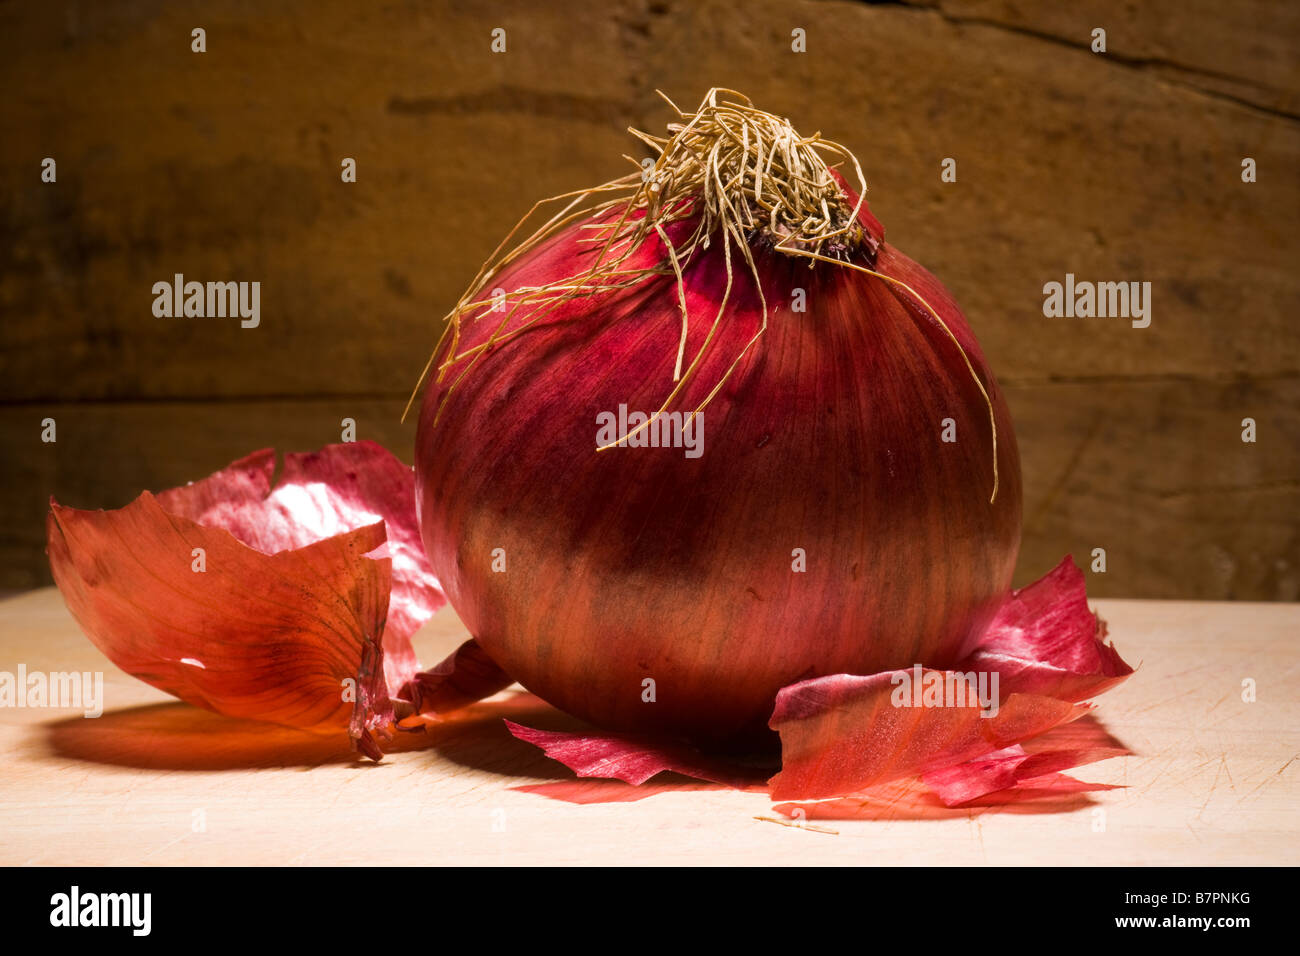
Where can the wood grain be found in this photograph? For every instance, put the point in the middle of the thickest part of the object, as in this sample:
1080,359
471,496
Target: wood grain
225,165
1213,780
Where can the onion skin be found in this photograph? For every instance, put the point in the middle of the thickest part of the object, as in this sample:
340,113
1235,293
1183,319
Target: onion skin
640,563
310,588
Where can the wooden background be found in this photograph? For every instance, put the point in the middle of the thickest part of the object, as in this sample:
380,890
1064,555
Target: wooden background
225,165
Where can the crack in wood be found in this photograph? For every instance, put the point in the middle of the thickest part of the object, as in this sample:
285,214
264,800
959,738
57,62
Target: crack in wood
1184,74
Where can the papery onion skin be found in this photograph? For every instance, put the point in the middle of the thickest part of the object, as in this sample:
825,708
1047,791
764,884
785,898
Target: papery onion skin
290,601
636,564
258,636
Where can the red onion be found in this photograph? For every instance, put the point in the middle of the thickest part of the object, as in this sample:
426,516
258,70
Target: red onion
826,528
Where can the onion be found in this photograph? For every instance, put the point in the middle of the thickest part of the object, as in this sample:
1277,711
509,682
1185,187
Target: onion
826,528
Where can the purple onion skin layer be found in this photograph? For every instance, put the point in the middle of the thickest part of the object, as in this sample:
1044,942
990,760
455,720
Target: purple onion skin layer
641,564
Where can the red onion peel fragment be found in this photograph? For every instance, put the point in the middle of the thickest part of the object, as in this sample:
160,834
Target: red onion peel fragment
293,605
466,676
626,758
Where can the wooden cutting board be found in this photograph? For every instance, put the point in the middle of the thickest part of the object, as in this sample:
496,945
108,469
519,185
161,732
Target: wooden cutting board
1212,779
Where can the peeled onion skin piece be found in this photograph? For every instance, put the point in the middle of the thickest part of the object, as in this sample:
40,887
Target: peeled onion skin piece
318,494
293,638
467,675
1013,767
1045,640
842,734
618,757
306,601
637,564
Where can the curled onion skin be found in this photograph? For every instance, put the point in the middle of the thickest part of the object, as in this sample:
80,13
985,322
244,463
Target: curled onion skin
291,601
632,565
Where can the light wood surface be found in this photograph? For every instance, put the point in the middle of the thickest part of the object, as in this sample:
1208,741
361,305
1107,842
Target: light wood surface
1213,779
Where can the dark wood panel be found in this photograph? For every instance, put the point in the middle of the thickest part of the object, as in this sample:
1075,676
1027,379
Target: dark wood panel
1243,49
1157,474
225,165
